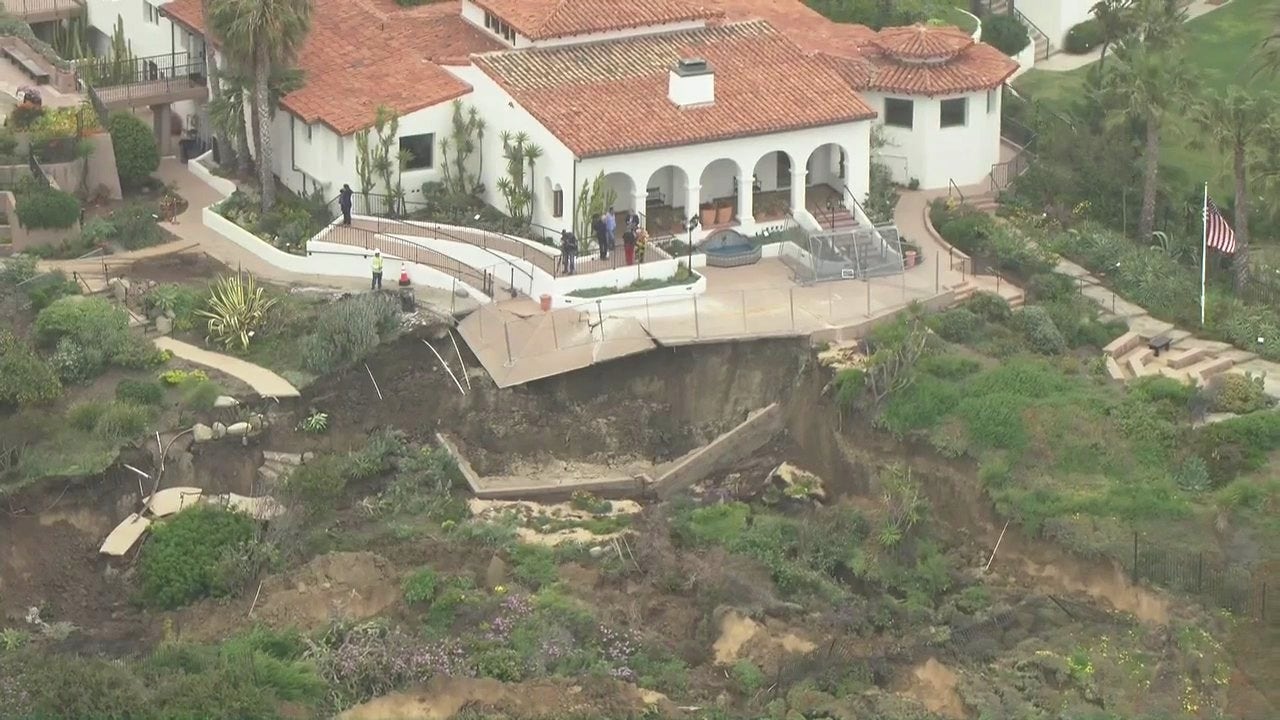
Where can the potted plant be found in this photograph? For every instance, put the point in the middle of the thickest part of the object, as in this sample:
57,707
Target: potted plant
708,214
724,212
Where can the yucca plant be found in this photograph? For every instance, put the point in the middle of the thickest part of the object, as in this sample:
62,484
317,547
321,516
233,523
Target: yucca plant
237,308
315,423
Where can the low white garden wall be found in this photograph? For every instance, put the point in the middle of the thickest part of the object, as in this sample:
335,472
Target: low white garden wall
638,298
1026,60
198,168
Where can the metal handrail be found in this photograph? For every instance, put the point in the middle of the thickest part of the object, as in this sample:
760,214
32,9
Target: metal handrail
1048,42
445,235
951,186
422,256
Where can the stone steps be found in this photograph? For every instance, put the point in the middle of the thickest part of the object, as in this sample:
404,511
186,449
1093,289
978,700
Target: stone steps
1208,368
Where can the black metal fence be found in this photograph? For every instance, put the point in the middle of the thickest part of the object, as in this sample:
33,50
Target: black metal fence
1232,588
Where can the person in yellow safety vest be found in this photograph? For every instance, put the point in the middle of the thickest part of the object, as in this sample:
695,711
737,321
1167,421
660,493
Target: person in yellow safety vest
377,271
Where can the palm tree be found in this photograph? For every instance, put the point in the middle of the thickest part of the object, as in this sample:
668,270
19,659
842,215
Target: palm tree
1148,85
1240,124
226,114
1269,49
215,89
270,32
1116,21
1162,24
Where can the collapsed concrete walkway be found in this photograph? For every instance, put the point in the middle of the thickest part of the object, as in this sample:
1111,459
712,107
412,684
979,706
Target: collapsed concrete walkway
263,381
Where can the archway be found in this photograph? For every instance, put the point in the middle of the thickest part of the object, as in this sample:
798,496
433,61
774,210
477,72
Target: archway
719,194
772,180
828,168
666,194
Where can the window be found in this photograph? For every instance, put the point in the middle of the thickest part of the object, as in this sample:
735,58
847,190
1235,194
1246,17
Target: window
490,22
992,97
953,112
341,149
418,151
309,127
151,13
557,203
899,113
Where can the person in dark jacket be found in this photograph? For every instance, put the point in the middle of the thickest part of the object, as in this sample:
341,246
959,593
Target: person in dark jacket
344,202
568,250
629,244
602,236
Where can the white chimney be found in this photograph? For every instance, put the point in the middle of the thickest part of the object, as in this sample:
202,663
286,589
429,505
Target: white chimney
691,82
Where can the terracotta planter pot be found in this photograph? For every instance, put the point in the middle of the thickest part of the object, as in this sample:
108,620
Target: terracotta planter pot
708,215
724,214
911,258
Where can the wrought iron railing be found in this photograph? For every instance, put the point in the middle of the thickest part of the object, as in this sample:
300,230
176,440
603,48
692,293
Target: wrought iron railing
1035,30
28,8
1024,139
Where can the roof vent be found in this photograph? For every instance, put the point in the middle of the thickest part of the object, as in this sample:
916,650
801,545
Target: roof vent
691,82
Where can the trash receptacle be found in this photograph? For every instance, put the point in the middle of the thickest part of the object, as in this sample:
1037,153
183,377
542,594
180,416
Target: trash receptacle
546,303
185,146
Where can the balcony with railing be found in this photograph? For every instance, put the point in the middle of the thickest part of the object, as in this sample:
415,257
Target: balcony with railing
120,83
35,11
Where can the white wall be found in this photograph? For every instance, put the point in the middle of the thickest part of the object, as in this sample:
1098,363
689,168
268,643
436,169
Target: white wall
698,167
936,155
1056,17
329,160
145,38
556,166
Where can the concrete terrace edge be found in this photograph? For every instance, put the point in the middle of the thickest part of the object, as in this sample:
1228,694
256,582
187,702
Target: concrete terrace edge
746,437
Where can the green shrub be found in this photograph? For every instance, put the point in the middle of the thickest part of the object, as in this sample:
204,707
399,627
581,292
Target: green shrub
44,290
237,309
180,559
534,565
957,325
320,483
77,363
989,306
84,416
850,384
92,322
135,147
711,525
747,676
179,300
1006,33
1192,475
420,587
348,330
1238,444
948,366
1236,393
174,378
1047,287
97,231
1084,37
502,664
47,209
25,379
122,421
1042,334
137,226
199,393
140,392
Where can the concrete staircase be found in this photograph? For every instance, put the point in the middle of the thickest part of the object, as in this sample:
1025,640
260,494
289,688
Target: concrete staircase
1188,359
839,219
1015,297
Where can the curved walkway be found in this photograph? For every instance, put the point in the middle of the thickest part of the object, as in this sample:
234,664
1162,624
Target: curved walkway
263,381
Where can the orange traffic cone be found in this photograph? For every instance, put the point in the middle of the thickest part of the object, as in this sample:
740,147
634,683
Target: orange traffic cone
404,275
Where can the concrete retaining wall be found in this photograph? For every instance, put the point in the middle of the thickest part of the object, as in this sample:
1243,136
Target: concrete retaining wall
749,436
488,489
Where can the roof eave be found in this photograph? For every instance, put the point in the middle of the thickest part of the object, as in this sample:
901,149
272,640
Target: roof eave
592,154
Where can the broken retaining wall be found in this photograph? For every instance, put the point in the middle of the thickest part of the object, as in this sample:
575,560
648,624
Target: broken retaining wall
749,436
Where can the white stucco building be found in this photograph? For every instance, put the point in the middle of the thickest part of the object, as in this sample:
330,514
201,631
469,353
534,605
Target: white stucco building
739,112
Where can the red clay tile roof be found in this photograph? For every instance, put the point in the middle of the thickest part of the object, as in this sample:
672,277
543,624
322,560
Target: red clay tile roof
544,19
611,97
934,61
921,42
364,53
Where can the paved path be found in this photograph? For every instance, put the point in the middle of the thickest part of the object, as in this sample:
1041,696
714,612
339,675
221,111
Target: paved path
263,381
1066,62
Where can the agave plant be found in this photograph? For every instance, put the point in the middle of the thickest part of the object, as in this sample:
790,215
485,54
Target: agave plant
237,308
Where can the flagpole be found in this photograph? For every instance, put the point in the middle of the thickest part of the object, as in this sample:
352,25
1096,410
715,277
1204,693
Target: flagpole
1204,249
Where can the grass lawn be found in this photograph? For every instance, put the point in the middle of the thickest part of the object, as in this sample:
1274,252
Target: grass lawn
1221,46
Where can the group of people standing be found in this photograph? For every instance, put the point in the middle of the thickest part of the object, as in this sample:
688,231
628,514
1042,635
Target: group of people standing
604,227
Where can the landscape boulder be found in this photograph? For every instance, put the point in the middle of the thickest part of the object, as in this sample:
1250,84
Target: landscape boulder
239,429
219,431
225,401
164,325
202,433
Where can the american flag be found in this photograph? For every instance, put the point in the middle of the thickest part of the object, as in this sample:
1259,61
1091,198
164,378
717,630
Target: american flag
1218,234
